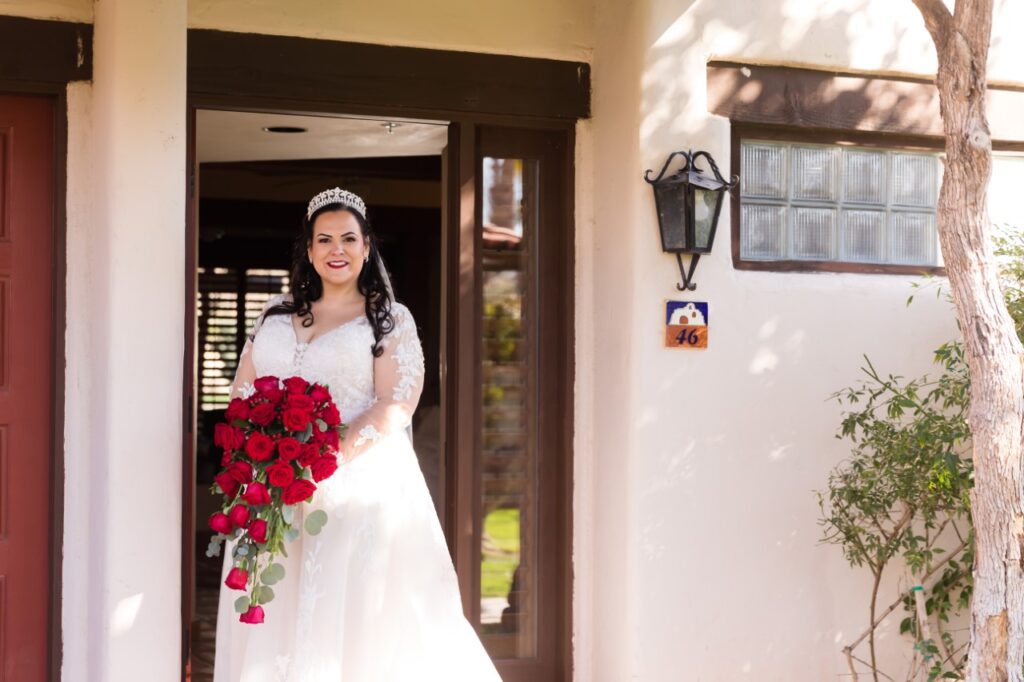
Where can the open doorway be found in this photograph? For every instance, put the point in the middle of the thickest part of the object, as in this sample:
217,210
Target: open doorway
256,172
475,220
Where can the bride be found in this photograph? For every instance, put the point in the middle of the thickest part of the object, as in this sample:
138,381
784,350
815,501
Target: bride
373,597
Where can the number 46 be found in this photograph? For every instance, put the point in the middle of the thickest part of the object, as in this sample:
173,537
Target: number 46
688,335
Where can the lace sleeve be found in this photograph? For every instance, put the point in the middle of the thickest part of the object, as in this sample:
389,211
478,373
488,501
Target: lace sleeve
246,372
397,383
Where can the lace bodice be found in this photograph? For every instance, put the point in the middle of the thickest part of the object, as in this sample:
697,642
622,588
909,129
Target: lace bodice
376,396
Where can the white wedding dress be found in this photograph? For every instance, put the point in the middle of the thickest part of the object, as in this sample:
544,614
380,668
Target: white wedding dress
373,597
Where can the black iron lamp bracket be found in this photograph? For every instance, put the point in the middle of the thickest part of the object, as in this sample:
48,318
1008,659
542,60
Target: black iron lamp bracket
689,163
687,274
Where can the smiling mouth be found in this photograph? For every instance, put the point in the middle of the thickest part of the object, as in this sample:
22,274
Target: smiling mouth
337,264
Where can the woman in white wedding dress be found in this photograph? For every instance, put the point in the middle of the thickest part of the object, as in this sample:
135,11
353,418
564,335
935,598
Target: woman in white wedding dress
373,597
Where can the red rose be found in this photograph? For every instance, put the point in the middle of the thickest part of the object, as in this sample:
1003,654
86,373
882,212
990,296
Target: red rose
262,414
237,409
310,452
330,415
270,388
298,491
222,436
280,474
220,523
331,439
254,616
225,459
227,483
319,394
300,401
237,578
295,420
324,467
260,447
288,448
317,437
256,494
240,471
239,515
258,531
295,385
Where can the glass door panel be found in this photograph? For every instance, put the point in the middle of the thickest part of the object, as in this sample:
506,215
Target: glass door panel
508,504
509,382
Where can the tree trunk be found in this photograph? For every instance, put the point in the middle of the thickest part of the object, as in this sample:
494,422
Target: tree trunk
993,350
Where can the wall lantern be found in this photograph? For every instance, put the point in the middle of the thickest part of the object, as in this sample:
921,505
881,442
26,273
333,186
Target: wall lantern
689,202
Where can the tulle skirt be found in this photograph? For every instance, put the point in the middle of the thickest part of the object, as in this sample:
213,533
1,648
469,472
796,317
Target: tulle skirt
371,598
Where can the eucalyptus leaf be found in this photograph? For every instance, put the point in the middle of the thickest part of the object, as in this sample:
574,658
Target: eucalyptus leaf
322,425
291,534
307,433
263,594
315,521
273,574
213,549
288,513
242,604
241,550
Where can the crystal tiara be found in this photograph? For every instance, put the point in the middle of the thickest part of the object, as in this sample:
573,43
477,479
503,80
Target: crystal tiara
336,196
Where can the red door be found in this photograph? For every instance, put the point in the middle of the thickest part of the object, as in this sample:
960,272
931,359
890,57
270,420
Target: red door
26,338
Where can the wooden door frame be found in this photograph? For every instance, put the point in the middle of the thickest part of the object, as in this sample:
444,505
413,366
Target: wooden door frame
43,57
466,90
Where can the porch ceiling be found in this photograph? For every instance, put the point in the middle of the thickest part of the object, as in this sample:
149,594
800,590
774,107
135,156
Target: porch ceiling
240,136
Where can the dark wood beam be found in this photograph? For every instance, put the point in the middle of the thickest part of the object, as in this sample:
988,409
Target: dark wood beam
44,52
247,65
833,100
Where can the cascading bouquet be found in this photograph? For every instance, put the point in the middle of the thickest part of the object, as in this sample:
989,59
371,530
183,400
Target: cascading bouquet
279,441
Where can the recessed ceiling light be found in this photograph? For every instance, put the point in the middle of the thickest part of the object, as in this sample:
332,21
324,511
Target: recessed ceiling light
284,129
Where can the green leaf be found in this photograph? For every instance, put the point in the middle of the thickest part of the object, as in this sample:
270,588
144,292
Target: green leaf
273,574
213,549
263,594
242,604
315,521
291,534
288,513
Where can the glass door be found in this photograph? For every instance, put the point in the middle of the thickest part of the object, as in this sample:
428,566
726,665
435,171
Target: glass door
512,488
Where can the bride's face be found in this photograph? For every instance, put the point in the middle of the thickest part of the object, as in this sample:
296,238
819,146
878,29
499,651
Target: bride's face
339,249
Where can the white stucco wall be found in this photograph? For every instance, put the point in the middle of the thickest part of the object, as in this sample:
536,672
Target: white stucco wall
536,28
124,345
59,10
701,523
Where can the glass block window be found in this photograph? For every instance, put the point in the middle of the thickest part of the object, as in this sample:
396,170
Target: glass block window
811,202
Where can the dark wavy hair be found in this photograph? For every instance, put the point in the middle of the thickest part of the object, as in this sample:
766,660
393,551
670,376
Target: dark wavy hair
306,286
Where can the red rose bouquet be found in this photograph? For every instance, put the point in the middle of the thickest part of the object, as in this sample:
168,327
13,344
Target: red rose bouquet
278,442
